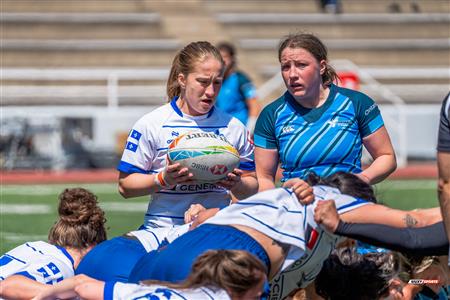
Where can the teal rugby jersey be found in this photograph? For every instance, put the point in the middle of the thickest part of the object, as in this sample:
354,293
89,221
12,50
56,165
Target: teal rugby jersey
324,140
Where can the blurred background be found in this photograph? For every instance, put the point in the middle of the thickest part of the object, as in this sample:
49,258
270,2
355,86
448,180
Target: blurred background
76,74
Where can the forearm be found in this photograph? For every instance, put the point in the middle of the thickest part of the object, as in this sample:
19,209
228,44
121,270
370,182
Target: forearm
247,187
135,185
380,168
444,202
430,240
444,188
20,287
266,183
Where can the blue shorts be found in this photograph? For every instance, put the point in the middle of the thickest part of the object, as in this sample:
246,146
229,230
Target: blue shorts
173,263
112,260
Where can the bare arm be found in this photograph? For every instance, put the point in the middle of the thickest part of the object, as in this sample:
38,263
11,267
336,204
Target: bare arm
72,287
266,167
380,214
384,162
20,287
138,184
253,111
444,188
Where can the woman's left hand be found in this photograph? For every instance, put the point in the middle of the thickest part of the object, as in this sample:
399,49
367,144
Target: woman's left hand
232,179
193,212
302,190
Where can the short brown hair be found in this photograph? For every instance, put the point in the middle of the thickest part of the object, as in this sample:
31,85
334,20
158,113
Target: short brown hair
313,45
81,221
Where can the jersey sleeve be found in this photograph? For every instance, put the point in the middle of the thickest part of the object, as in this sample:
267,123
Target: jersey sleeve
246,148
139,150
264,135
429,240
368,114
246,86
443,144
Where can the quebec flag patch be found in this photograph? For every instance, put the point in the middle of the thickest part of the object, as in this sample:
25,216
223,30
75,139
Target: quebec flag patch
131,146
135,134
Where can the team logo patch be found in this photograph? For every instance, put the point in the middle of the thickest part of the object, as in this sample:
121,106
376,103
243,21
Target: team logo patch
131,146
135,135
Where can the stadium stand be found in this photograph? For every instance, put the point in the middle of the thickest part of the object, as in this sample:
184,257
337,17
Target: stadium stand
116,54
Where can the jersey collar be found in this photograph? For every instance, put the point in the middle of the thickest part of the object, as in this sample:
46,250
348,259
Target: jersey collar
173,103
64,251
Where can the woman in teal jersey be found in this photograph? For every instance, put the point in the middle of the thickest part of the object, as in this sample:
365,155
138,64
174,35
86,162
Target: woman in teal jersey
316,126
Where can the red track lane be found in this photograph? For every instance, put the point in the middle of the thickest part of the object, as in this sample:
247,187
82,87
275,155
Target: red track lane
413,171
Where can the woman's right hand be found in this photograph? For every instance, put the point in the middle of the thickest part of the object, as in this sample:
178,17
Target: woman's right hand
325,214
175,174
302,190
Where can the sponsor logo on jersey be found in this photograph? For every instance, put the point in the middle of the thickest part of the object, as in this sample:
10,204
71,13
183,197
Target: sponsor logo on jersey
369,110
197,187
287,129
335,122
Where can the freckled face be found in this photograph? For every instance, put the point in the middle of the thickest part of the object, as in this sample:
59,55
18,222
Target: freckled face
199,88
301,73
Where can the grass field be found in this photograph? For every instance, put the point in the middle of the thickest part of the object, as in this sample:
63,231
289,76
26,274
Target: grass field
28,211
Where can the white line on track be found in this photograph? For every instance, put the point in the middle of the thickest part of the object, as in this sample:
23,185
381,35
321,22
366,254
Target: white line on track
38,209
17,237
51,189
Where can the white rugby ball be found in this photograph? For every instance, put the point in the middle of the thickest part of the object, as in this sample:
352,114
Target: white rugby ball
208,156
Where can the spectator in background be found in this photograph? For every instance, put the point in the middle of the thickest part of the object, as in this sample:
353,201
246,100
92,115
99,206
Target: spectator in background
443,157
317,126
238,94
330,6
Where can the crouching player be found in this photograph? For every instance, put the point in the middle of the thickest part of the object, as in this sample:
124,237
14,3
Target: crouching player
28,268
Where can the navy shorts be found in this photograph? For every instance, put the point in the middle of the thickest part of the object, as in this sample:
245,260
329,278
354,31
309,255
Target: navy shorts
173,263
112,260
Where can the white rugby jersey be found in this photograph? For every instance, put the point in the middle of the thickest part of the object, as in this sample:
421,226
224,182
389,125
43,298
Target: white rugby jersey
39,261
130,291
151,239
278,214
146,149
300,271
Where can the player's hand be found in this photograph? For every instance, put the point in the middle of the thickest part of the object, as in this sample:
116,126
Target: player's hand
232,179
326,215
303,191
203,216
192,213
175,174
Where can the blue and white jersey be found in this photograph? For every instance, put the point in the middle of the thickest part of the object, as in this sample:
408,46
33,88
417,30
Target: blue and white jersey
130,291
152,239
324,140
236,89
278,214
146,150
299,271
39,261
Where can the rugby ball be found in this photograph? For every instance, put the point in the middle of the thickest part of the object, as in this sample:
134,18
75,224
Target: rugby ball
208,156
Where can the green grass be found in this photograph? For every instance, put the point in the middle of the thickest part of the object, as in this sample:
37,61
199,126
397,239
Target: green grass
17,228
122,214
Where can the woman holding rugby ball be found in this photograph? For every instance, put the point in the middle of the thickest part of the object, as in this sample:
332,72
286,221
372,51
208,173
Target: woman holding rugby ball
194,82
